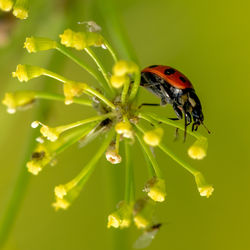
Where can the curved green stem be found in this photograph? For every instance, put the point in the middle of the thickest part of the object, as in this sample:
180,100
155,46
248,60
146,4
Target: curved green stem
135,86
156,170
91,53
83,65
111,50
125,92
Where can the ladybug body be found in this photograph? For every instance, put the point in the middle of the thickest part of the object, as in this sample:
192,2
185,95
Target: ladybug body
174,88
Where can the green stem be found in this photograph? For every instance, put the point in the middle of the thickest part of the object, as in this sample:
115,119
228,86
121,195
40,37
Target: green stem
155,119
135,86
87,90
111,50
75,59
89,168
167,151
129,179
57,97
91,53
156,170
63,128
125,92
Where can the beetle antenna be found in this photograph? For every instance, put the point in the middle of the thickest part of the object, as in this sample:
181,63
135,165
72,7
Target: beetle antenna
206,127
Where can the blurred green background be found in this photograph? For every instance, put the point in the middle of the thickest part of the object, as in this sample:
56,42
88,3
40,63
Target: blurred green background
209,42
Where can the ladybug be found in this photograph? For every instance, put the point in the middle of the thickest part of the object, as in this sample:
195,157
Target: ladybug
174,88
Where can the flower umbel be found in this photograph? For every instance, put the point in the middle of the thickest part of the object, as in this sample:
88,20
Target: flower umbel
118,120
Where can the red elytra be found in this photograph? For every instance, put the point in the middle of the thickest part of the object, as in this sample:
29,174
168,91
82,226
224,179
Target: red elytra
170,75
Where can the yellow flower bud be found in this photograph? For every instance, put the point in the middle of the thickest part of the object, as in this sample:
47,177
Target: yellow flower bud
94,39
153,137
18,100
121,218
199,149
122,68
60,191
125,129
39,159
6,5
203,188
61,204
118,81
34,44
141,222
73,39
26,72
156,189
20,9
143,213
73,89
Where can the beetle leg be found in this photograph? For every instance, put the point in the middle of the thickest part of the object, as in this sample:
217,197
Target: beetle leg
177,111
149,104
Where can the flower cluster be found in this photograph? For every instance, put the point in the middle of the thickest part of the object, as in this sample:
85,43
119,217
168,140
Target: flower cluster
18,7
118,121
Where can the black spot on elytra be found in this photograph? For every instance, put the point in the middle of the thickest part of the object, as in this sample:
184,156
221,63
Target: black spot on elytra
153,66
169,71
182,79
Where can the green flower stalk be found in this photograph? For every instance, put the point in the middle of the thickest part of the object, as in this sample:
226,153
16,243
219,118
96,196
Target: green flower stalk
118,120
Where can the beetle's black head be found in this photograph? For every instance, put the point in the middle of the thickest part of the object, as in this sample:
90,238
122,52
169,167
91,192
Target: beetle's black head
197,117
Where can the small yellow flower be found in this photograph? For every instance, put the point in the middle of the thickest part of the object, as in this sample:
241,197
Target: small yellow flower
26,72
121,217
60,191
20,9
73,89
80,40
141,222
40,158
121,68
143,213
199,149
21,99
51,134
118,81
153,137
34,44
61,204
125,129
6,5
203,188
156,189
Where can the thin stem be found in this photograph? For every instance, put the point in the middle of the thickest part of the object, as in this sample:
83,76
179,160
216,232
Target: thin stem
129,179
57,97
86,90
111,50
135,86
89,168
91,53
117,142
83,65
184,164
63,128
155,119
125,92
164,148
156,170
100,96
